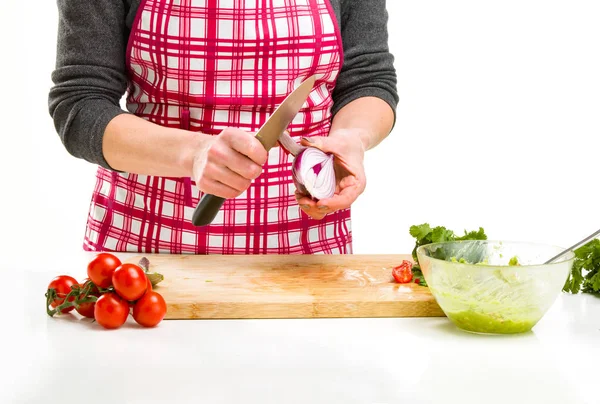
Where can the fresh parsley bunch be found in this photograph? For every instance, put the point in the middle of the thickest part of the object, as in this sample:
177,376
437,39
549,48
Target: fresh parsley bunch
424,234
585,274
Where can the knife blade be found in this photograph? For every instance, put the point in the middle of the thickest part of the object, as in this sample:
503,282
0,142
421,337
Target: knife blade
267,135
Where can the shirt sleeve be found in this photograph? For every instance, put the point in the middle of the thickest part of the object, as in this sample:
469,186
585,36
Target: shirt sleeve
368,69
89,78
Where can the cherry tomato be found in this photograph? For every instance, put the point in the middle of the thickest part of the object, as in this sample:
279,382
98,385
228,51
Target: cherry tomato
150,309
87,309
101,268
62,284
148,289
403,272
111,311
130,281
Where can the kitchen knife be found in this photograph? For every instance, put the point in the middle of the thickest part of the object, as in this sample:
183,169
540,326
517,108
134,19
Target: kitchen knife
267,135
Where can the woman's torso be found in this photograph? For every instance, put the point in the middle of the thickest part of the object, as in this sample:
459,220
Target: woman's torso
204,65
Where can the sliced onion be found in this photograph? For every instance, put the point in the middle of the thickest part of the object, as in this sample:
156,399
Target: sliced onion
289,144
314,174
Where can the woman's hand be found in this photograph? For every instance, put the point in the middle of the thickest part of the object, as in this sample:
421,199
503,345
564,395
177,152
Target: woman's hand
347,147
226,164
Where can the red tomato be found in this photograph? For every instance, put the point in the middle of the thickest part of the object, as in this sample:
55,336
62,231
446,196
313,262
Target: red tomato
87,309
148,285
130,281
150,309
62,284
111,311
403,272
101,268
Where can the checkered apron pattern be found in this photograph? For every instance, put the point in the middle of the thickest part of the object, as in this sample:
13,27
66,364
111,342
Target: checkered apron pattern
204,65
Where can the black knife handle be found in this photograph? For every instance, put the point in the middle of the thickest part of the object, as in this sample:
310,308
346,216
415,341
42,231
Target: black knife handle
207,210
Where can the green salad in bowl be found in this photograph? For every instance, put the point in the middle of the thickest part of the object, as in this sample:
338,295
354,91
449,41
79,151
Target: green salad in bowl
493,287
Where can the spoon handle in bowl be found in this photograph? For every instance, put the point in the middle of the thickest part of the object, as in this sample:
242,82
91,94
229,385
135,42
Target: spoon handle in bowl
573,247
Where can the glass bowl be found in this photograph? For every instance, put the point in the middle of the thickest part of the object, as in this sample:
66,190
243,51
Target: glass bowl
480,292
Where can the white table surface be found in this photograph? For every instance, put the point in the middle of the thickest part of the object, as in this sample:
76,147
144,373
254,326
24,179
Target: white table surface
286,361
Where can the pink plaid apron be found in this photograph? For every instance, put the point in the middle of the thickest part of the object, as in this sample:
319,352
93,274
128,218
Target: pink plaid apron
204,65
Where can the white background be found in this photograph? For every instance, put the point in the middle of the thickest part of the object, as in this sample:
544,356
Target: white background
497,127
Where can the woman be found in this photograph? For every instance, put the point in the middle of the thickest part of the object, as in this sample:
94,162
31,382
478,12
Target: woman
202,76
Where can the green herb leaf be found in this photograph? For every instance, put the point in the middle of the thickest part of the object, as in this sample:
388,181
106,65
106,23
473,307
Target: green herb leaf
441,235
573,284
585,274
593,282
424,235
588,250
421,231
473,235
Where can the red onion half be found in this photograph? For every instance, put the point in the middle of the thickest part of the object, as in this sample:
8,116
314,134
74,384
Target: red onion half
314,174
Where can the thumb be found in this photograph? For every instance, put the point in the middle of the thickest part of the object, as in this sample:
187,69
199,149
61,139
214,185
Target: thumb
325,144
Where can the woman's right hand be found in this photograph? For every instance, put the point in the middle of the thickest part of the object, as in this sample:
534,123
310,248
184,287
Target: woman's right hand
227,163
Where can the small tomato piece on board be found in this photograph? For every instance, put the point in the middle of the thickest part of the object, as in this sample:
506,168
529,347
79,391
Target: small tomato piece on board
62,284
111,311
87,309
130,281
403,272
101,268
150,309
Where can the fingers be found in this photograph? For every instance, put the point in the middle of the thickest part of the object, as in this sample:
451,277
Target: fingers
218,179
213,187
238,163
228,177
245,144
228,151
325,144
350,188
229,163
309,206
340,201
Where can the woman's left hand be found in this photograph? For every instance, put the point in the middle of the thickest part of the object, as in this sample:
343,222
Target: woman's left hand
348,150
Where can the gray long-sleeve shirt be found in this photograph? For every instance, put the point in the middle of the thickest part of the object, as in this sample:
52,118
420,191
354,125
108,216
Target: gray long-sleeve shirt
90,76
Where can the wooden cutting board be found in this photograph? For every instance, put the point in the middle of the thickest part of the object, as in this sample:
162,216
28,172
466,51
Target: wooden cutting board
287,286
